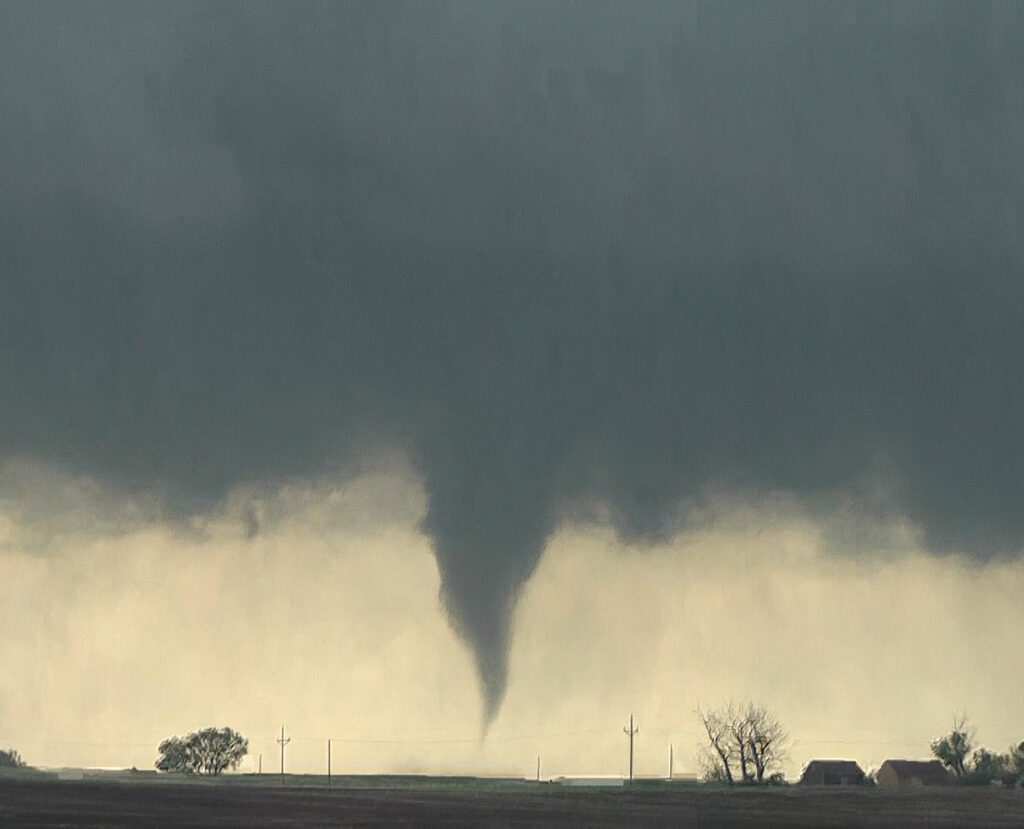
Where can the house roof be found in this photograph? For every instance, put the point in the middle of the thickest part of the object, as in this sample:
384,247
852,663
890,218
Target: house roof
840,767
924,770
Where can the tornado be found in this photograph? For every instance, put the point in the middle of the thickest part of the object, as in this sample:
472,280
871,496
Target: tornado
579,263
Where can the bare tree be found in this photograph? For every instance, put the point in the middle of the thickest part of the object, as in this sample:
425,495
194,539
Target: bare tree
747,738
717,765
767,740
740,731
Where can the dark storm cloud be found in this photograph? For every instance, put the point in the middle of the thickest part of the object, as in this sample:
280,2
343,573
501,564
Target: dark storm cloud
568,256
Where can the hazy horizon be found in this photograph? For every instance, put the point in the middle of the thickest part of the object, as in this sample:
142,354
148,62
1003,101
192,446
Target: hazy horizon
328,623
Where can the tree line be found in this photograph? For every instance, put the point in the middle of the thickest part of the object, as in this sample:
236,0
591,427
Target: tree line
975,765
209,751
10,759
746,743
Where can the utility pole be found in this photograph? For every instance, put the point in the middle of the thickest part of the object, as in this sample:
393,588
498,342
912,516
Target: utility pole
630,732
328,764
670,761
261,765
538,768
283,743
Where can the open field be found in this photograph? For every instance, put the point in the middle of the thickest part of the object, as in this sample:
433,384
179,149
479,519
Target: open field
44,801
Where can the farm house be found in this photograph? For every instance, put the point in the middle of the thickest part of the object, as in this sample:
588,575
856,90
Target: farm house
832,773
903,773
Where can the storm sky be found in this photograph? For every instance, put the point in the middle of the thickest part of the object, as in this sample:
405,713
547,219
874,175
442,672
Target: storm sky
652,280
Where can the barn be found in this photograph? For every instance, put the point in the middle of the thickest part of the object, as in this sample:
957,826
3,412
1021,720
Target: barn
832,773
896,774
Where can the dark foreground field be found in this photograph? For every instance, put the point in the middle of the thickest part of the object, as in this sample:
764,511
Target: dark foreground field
49,802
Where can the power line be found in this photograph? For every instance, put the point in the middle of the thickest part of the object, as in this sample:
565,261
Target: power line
283,743
630,732
445,740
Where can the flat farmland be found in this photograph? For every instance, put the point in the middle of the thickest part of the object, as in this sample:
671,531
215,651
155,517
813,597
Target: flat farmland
357,802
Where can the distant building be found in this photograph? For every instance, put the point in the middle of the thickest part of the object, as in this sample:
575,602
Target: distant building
895,774
833,773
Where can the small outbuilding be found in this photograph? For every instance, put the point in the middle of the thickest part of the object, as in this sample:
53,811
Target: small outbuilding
832,773
896,774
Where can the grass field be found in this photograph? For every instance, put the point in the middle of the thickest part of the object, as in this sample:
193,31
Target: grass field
253,801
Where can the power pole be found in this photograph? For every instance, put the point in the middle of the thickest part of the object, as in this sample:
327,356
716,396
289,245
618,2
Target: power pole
670,761
538,768
283,742
328,764
261,765
630,732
